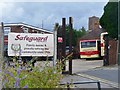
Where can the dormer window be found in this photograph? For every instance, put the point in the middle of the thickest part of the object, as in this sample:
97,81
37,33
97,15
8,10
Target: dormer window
33,30
25,30
37,31
42,32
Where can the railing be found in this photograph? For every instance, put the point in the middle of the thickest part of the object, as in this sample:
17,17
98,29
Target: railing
85,82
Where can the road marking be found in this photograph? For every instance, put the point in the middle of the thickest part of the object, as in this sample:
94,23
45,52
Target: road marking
112,84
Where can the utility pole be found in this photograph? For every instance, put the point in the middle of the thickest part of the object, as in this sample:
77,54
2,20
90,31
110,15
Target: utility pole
42,24
70,43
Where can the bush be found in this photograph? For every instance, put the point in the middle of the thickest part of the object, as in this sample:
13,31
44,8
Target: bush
39,77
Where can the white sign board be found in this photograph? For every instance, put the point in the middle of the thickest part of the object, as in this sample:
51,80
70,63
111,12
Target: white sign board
30,44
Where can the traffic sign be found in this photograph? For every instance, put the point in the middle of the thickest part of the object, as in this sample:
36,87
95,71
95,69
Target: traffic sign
60,39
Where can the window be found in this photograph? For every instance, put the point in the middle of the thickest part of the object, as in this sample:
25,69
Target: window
7,30
25,30
88,44
37,31
42,33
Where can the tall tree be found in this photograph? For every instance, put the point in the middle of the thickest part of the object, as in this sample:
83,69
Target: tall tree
76,35
109,19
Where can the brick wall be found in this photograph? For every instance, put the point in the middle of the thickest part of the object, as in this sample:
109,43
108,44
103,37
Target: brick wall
113,52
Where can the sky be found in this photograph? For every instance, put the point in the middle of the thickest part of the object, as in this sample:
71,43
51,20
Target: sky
47,13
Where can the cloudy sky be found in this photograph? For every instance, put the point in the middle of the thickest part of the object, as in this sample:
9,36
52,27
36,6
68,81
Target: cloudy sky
50,12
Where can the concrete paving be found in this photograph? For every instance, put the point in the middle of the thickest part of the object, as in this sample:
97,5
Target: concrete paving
86,71
93,70
80,65
80,78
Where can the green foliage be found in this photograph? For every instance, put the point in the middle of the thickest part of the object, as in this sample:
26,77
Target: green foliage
25,76
76,34
40,77
109,20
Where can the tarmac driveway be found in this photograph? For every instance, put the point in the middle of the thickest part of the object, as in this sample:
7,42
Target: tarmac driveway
80,65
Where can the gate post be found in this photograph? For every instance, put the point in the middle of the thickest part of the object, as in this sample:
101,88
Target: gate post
64,43
106,57
70,44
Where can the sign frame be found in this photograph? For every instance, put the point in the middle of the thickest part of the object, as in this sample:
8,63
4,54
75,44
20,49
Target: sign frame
30,44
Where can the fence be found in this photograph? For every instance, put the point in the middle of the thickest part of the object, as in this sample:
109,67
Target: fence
113,48
85,82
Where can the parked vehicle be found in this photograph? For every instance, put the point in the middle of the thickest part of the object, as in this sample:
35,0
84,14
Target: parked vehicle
92,48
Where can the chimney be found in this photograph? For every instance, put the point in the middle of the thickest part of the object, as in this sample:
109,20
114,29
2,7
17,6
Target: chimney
93,23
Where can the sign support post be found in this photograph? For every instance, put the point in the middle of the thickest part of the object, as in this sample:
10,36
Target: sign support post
55,44
1,42
1,51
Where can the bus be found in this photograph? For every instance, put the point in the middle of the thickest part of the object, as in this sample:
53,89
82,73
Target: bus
93,48
90,49
103,43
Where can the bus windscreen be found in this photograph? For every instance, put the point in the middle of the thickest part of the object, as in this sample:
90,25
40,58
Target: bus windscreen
88,44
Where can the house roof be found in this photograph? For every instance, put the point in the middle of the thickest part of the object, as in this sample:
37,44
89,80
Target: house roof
26,25
93,34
